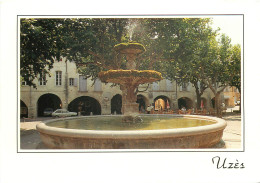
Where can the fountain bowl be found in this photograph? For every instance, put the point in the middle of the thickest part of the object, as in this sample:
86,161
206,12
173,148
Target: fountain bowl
129,77
179,138
129,48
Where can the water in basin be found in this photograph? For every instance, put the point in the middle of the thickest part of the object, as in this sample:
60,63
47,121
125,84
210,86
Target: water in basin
115,123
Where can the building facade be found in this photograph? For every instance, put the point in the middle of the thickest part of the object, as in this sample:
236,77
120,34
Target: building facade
66,88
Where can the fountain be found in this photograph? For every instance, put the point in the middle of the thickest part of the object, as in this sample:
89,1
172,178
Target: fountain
131,130
130,79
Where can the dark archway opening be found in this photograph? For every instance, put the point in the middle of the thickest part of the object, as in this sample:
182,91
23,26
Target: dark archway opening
48,101
185,102
23,110
161,103
85,105
116,104
141,101
213,102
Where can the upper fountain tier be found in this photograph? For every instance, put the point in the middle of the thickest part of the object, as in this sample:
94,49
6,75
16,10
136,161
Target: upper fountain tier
131,50
131,76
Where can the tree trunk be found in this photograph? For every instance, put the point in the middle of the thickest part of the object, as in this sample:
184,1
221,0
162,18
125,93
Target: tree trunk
198,100
198,95
218,105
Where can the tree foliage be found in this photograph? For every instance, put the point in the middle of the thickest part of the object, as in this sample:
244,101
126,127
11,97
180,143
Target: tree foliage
182,49
39,45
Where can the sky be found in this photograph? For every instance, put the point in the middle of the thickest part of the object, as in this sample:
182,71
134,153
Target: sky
231,25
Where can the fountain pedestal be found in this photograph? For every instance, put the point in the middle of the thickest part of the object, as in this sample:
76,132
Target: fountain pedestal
129,109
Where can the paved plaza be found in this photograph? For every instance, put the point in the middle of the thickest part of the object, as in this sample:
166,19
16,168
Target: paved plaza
30,139
232,133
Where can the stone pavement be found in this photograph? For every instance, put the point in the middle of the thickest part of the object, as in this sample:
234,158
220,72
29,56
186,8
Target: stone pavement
30,139
232,133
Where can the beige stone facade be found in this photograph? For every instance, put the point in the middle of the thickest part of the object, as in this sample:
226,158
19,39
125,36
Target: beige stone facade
231,97
66,88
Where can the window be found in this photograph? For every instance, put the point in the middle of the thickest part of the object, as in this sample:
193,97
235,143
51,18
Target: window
24,83
58,78
71,81
42,79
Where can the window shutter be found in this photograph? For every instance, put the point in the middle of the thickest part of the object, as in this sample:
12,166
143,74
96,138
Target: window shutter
75,81
97,85
82,83
181,88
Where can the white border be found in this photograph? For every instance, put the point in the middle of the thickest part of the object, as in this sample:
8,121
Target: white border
155,167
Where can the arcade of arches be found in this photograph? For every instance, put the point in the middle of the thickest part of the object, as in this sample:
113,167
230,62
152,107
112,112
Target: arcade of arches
185,102
161,103
23,110
48,101
85,105
88,105
143,102
116,103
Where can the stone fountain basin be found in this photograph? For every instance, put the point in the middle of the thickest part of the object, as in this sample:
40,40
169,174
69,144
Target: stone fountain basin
180,138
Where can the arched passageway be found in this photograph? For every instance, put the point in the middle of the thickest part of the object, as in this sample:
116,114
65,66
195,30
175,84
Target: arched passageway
185,102
48,101
85,105
161,103
116,104
142,101
213,102
23,110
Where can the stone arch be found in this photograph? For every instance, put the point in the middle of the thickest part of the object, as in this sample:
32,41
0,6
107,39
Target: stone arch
161,102
185,102
116,104
23,110
86,105
48,100
142,101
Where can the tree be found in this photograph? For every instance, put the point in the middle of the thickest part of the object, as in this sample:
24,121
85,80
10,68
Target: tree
85,41
216,69
186,54
39,46
235,67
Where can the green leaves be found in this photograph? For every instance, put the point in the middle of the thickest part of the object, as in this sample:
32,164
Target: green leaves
37,43
184,48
